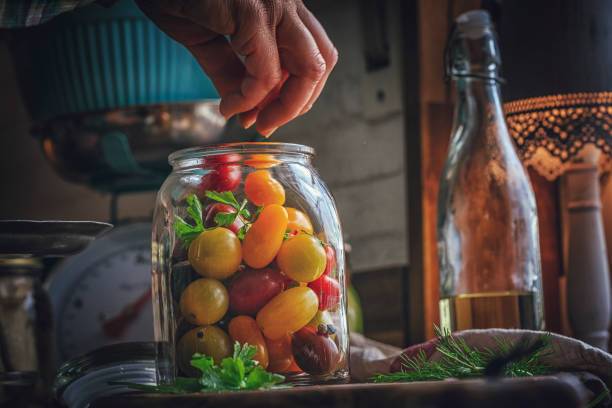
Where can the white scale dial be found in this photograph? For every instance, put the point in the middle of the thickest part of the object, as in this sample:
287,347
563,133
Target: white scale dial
102,296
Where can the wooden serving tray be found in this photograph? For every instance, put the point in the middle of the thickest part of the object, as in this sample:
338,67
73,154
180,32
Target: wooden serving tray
550,391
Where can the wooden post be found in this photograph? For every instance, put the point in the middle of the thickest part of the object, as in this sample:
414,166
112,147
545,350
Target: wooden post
588,282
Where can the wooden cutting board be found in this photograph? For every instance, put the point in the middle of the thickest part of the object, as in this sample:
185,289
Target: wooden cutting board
550,391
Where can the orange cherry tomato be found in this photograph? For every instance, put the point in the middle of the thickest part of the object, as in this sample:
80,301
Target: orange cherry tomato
265,237
215,253
298,221
288,312
293,368
280,354
302,258
262,189
261,161
244,329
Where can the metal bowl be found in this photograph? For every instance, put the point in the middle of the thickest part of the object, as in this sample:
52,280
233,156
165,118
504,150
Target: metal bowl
126,150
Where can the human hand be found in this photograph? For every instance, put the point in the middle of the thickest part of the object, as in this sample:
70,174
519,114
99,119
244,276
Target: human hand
267,38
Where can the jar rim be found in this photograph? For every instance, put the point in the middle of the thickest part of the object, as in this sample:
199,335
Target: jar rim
240,147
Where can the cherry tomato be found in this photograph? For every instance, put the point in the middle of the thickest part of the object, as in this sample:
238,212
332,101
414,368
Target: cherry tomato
275,92
244,329
314,353
280,354
263,189
253,288
204,301
287,312
215,253
298,221
265,237
302,258
327,290
261,161
330,255
209,340
225,173
213,209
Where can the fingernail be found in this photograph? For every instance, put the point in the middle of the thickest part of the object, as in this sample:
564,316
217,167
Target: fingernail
249,123
267,133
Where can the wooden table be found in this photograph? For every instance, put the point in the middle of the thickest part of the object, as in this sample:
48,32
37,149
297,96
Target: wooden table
550,391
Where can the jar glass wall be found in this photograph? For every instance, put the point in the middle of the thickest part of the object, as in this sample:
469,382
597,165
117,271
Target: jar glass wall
247,247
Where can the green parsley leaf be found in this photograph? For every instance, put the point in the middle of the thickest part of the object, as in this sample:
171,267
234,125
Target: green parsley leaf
194,209
259,378
225,197
186,232
238,372
242,231
223,219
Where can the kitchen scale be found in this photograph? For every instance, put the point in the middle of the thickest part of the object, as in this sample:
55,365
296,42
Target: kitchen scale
102,296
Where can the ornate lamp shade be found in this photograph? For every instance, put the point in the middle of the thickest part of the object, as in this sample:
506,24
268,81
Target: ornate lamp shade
558,67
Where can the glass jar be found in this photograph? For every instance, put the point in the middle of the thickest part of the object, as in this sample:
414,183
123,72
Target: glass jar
247,247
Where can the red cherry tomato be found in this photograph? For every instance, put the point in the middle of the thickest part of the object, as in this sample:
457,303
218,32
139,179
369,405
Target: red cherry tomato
253,288
330,255
327,290
213,209
225,174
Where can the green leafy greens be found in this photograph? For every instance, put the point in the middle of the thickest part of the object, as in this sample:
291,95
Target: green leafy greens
187,232
462,361
235,373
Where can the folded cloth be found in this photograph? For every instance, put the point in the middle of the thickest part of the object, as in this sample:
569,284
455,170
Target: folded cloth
591,365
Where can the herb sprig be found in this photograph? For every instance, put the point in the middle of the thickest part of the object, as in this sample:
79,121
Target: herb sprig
459,360
235,373
187,232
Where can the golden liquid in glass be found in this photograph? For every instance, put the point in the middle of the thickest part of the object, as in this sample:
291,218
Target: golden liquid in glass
507,310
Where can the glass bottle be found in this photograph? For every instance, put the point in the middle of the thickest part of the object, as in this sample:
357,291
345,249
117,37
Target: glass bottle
272,275
488,244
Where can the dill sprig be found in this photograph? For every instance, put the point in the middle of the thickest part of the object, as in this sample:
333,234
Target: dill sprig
459,360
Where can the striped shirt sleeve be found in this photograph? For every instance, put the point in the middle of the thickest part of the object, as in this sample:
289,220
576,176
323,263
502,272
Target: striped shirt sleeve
27,13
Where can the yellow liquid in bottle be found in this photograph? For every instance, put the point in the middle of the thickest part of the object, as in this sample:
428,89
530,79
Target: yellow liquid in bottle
508,310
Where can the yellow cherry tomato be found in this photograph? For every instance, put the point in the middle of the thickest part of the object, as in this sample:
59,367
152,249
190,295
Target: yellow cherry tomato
298,221
322,317
209,340
215,253
288,312
265,237
262,189
261,161
302,258
244,329
204,301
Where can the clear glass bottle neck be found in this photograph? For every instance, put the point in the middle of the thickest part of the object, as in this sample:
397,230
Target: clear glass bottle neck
477,99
